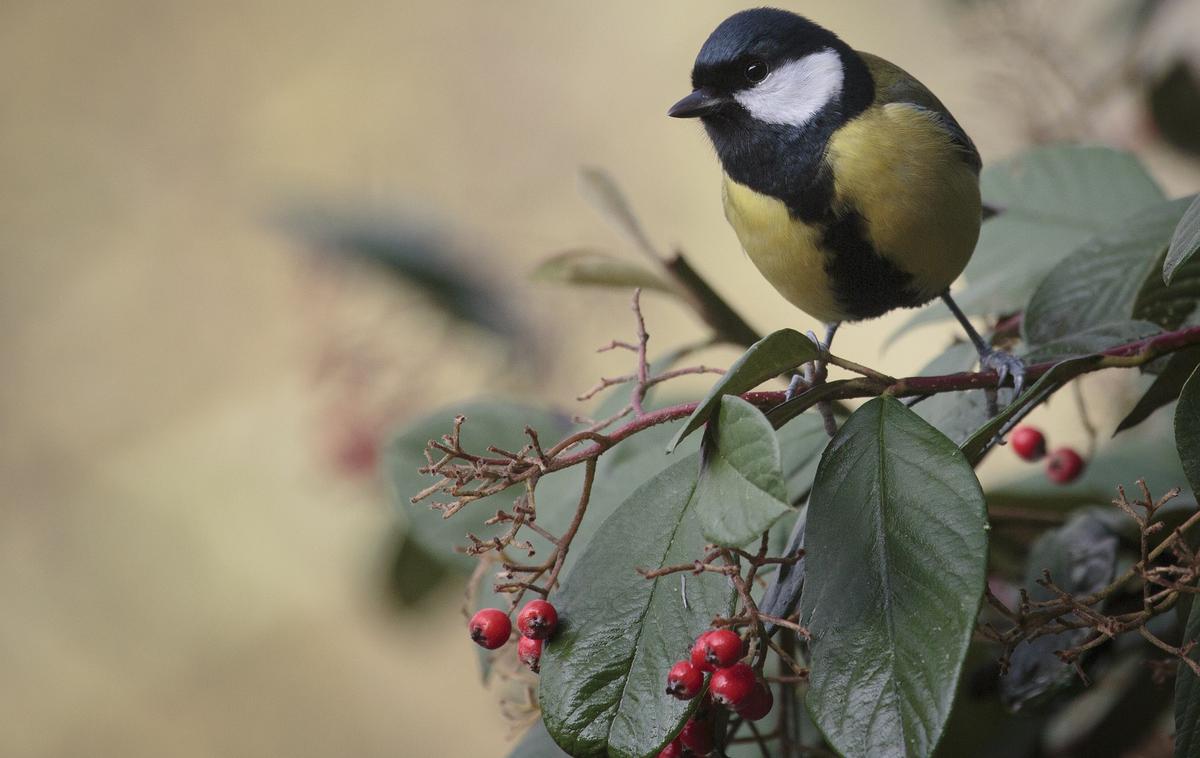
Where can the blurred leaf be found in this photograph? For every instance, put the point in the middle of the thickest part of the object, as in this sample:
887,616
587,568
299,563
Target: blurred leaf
602,192
1052,200
1187,429
594,268
537,743
489,422
1187,693
1047,384
771,356
1094,339
897,550
1165,389
741,491
601,687
1080,556
412,255
1185,242
1174,103
413,573
1098,284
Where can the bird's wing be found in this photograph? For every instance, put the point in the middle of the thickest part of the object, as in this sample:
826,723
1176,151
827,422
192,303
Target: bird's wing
895,85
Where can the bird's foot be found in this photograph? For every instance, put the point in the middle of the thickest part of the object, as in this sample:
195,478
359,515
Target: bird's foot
1006,365
794,386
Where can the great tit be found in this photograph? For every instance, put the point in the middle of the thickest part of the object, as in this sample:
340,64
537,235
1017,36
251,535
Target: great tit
847,182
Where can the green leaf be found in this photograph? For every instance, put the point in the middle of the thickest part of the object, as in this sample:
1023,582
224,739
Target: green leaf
1081,558
602,680
1098,284
1170,305
771,356
1185,242
597,269
1165,389
1187,693
1095,339
741,491
1052,200
537,743
1187,430
602,192
800,444
489,422
897,551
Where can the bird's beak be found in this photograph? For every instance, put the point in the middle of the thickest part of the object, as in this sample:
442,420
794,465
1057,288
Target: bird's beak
699,103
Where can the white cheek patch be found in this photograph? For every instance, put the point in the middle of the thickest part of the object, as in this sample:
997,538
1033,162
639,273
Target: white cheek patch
796,91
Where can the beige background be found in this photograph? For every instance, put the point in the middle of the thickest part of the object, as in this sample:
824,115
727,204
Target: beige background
182,571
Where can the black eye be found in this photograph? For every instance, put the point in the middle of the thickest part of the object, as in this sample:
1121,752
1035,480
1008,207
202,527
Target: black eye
756,71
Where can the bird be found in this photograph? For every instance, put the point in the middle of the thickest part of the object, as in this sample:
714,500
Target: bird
850,186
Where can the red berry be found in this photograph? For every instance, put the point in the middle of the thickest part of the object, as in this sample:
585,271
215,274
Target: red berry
722,648
700,653
684,681
731,686
1028,442
1064,465
537,619
490,628
696,736
758,704
673,750
529,652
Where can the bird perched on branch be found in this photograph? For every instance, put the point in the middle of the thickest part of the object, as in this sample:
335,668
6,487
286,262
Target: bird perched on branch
848,183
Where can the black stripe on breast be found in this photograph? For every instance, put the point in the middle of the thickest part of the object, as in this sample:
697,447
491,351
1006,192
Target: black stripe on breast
864,283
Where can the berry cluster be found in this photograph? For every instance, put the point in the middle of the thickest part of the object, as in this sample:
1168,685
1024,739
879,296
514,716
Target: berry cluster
490,628
732,684
1062,467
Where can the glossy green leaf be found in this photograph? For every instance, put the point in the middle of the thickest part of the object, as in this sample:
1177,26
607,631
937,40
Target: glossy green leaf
597,269
1051,200
897,552
1187,692
1187,429
1165,389
741,491
1184,243
1099,283
1081,558
499,423
602,679
771,356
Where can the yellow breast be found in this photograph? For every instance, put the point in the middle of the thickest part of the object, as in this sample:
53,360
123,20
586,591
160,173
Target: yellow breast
900,170
787,251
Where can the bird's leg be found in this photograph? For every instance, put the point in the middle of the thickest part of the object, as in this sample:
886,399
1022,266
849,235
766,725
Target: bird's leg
1005,364
815,373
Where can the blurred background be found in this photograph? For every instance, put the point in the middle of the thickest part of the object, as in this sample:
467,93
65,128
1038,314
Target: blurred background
197,553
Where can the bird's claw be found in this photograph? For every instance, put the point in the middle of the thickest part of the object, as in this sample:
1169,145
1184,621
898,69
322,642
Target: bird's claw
1005,365
793,386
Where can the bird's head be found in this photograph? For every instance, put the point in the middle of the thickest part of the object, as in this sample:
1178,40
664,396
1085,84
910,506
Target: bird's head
772,67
